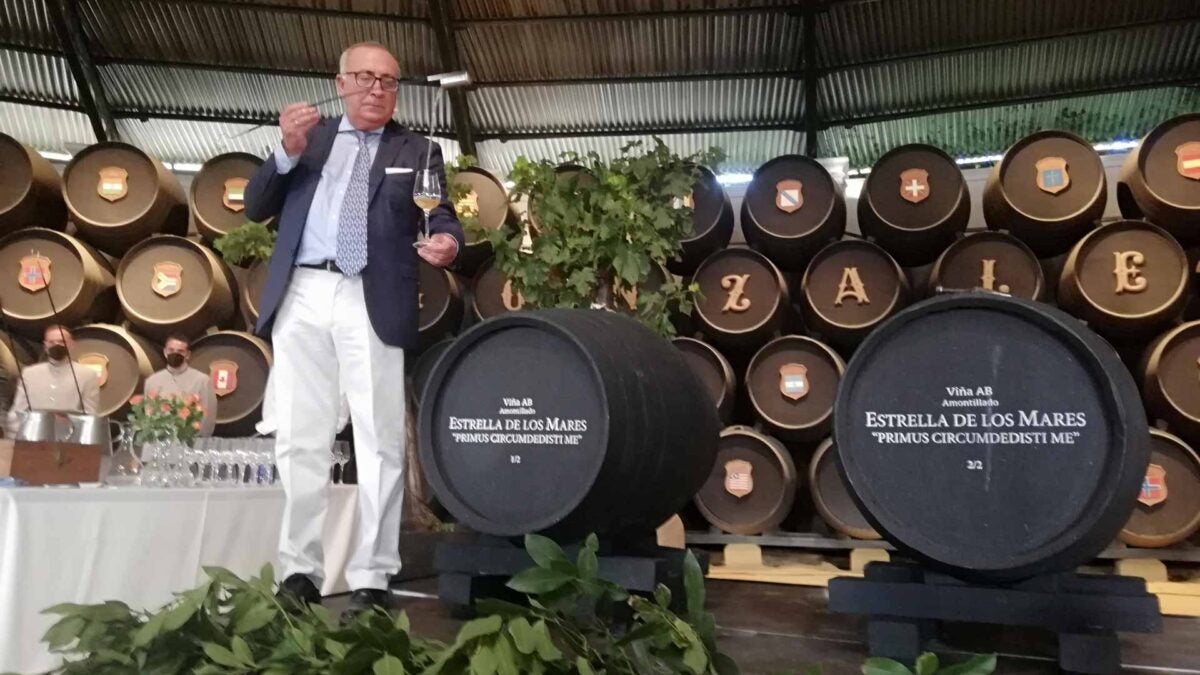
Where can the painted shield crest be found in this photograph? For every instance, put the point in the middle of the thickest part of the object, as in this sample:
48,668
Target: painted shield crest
467,204
1154,486
739,480
789,195
98,363
688,201
35,273
793,380
114,183
1187,160
1052,176
234,197
914,185
223,375
168,278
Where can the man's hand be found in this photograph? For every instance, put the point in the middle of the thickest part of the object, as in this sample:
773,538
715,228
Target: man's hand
295,122
440,250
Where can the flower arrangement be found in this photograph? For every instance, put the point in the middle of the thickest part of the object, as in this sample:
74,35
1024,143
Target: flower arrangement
154,418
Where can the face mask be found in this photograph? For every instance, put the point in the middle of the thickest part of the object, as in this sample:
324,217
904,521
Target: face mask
174,359
57,352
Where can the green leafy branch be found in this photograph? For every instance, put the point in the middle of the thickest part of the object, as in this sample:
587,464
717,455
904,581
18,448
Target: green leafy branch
247,243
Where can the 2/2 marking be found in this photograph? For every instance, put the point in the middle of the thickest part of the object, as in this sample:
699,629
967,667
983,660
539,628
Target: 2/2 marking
975,465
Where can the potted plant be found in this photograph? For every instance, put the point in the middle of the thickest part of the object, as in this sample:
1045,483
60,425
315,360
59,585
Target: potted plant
247,248
159,418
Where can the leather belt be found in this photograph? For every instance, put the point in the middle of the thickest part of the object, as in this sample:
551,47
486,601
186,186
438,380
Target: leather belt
327,265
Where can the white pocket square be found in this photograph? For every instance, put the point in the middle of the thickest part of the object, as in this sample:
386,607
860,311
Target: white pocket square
389,170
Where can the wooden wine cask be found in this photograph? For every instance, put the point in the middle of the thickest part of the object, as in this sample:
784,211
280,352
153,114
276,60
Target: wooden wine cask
118,195
712,224
993,261
743,299
238,365
992,437
792,383
170,284
1160,179
484,202
791,210
714,372
440,304
253,280
1048,191
30,191
625,300
1168,374
217,195
43,269
914,203
122,359
493,294
1127,279
832,498
565,422
423,368
752,485
15,354
849,288
1168,507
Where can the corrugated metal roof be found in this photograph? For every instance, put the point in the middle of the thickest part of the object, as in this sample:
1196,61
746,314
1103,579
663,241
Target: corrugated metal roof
409,8
602,107
26,22
1060,66
45,128
505,9
37,76
703,44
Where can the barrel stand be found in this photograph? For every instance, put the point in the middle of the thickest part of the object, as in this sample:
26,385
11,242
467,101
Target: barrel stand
903,601
469,571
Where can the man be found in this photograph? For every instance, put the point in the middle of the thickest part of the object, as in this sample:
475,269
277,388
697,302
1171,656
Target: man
340,302
56,383
181,380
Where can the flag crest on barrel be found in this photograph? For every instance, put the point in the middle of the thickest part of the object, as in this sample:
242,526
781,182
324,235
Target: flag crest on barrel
739,478
114,183
168,278
35,273
1052,175
234,197
1187,157
223,375
1154,486
914,185
793,380
789,195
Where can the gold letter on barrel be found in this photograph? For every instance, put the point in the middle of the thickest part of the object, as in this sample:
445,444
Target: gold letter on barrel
512,301
1127,272
736,285
988,278
851,286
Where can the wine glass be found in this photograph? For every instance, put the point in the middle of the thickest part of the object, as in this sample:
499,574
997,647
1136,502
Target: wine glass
427,194
341,455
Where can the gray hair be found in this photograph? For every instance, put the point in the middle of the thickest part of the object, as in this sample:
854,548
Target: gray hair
369,43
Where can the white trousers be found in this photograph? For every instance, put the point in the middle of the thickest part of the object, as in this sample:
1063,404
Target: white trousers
324,345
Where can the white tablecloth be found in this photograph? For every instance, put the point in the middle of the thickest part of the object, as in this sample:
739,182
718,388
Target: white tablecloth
140,546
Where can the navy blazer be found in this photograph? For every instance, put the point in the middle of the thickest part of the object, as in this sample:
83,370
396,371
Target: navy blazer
390,277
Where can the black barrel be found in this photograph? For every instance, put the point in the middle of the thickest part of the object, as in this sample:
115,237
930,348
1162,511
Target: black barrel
565,422
752,485
712,224
831,496
440,304
994,437
714,371
792,208
992,261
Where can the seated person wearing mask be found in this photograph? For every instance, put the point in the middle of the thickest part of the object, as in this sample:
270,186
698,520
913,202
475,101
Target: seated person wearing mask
180,380
56,383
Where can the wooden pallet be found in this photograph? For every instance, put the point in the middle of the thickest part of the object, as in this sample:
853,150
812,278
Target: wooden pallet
1175,598
744,562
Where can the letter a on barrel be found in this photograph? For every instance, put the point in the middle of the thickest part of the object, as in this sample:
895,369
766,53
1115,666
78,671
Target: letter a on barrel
1052,175
793,380
223,374
914,185
234,197
168,278
114,183
35,273
789,195
1188,160
1154,486
739,480
98,363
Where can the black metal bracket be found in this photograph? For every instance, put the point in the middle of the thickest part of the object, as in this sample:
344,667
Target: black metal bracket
812,75
460,110
64,15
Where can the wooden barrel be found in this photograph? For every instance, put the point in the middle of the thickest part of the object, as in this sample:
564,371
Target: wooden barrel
849,288
626,299
238,365
565,422
40,266
217,193
752,485
712,224
31,191
440,304
993,437
1168,507
743,299
15,354
1160,179
792,382
792,209
914,203
1048,191
993,261
714,372
253,280
832,498
170,284
493,294
1127,279
482,206
118,195
423,368
122,359
1168,374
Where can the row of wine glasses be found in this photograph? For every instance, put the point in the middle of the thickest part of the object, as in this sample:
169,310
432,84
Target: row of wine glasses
214,462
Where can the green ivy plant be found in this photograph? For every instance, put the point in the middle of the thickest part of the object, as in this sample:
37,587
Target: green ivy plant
608,230
927,664
246,244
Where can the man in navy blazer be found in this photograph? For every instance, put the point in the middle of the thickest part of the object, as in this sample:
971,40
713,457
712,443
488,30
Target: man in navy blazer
340,304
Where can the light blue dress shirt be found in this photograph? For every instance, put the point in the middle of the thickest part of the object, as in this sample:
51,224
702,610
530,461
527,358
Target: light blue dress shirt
319,241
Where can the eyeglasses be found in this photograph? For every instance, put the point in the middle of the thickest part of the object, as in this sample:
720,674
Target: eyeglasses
366,80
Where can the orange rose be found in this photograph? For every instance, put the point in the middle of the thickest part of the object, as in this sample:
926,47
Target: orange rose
184,413
136,400
196,426
200,409
194,398
166,407
153,393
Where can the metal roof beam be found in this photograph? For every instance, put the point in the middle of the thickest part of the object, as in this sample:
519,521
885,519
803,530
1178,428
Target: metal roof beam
41,103
64,15
460,108
812,113
460,24
250,5
645,131
30,49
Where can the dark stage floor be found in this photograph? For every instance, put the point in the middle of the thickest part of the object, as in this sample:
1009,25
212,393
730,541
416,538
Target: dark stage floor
774,629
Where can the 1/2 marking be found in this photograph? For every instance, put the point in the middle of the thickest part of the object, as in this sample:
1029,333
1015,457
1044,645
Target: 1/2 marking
975,465
514,459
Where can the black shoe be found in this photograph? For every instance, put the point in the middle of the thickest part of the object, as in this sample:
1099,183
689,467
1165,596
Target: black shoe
364,600
299,590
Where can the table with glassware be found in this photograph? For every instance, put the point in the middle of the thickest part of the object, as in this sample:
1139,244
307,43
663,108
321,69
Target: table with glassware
212,503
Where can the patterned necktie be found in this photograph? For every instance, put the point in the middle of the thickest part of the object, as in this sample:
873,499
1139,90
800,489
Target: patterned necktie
352,224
